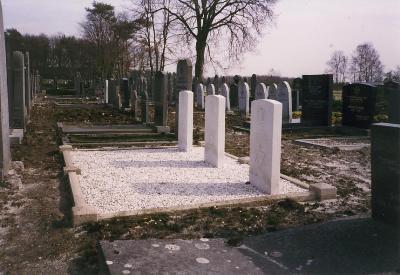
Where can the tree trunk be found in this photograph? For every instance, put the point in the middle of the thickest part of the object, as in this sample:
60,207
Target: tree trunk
200,50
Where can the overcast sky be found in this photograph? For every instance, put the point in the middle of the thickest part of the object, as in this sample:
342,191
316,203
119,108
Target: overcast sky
301,40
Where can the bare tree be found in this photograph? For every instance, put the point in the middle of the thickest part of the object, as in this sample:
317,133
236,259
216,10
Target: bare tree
337,65
394,74
365,64
236,23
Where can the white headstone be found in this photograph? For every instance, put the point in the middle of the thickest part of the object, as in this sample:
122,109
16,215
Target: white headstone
244,98
200,96
265,145
106,92
284,96
214,153
261,91
272,91
185,130
225,93
210,89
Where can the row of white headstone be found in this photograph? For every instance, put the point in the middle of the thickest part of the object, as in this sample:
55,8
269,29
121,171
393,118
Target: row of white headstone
265,137
281,92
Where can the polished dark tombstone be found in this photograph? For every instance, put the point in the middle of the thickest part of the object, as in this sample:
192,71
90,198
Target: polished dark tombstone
359,105
317,100
234,91
18,111
125,92
161,99
253,86
392,91
385,171
184,78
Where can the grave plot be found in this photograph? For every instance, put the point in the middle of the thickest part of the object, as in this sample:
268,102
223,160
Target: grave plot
341,143
124,182
114,135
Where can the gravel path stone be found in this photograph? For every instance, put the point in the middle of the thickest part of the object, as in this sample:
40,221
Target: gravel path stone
128,180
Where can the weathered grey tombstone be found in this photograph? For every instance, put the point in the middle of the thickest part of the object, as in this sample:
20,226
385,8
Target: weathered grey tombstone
200,94
18,106
272,91
225,93
296,91
244,98
253,86
316,100
265,145
234,91
216,84
144,100
161,99
385,172
284,96
210,89
261,92
28,96
184,78
126,93
5,156
392,90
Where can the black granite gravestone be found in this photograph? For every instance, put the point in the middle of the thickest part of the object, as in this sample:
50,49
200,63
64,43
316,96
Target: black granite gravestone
359,105
317,100
385,171
392,91
160,99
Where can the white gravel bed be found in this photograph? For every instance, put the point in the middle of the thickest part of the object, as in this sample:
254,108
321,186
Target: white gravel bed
128,180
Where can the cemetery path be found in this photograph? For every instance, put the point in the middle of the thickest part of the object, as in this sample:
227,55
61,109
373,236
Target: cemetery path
36,235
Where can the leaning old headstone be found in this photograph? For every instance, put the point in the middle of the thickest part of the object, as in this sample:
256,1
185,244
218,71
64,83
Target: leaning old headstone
18,107
317,98
392,90
284,96
160,99
385,171
225,93
358,103
261,92
265,145
244,98
5,154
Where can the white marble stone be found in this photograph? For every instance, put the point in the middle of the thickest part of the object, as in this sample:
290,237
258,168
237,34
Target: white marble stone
214,131
265,145
284,96
106,92
200,96
185,130
225,93
244,98
210,89
272,91
261,91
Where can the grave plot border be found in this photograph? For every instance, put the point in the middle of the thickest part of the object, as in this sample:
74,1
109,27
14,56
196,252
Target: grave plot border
84,213
310,143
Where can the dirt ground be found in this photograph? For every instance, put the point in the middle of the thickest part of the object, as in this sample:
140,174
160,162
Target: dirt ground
36,235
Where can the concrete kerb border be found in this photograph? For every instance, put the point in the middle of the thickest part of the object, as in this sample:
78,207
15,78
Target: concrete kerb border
83,213
310,144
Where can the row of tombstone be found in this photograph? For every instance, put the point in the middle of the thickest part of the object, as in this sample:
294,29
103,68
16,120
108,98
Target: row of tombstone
133,93
240,95
265,137
17,88
22,85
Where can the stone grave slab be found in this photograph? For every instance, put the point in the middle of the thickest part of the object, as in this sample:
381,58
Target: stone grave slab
202,256
341,143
